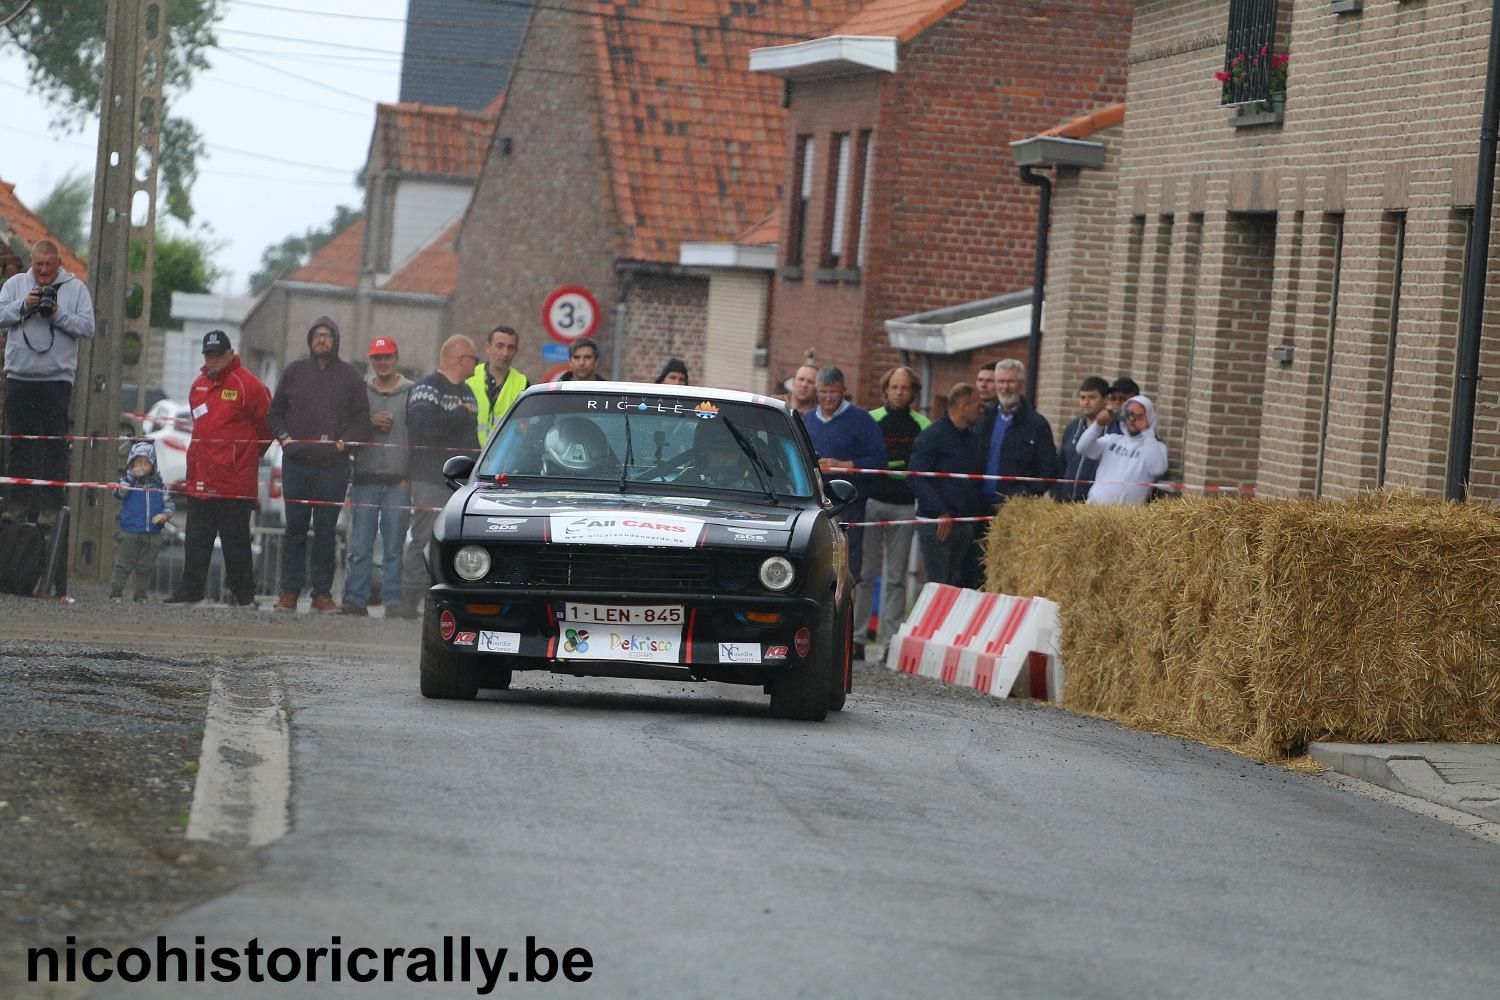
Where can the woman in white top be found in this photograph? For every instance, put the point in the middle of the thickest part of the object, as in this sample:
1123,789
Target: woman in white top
1130,462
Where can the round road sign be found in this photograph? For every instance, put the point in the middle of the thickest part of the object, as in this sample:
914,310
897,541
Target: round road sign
570,312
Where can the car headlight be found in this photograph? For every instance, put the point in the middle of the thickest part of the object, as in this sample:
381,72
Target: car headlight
472,562
777,573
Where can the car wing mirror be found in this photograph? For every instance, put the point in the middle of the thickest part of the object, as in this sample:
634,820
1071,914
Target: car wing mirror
457,470
841,492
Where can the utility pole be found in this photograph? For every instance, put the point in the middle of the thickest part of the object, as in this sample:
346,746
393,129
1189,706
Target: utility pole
130,116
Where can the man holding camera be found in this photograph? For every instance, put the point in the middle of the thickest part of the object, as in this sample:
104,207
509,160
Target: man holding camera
47,311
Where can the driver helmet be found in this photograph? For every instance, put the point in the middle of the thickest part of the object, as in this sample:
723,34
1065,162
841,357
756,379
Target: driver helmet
576,445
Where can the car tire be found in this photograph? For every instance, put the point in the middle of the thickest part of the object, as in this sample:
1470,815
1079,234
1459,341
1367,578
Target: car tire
497,678
444,673
842,675
802,692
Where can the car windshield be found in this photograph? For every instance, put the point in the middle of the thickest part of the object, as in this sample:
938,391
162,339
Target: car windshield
649,440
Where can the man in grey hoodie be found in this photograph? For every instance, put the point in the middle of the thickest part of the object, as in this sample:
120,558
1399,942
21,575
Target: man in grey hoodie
381,494
48,312
319,410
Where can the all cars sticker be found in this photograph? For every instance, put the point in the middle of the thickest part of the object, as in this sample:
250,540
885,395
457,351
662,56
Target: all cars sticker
776,652
739,652
499,642
640,643
613,527
463,639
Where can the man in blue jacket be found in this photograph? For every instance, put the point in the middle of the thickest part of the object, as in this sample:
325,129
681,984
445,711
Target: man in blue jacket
1077,471
845,437
951,444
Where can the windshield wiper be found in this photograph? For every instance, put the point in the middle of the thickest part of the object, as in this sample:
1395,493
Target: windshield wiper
629,452
762,470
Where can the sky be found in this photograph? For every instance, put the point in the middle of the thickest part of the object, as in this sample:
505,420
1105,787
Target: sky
286,110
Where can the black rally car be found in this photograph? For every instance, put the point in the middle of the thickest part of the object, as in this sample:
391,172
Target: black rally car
623,529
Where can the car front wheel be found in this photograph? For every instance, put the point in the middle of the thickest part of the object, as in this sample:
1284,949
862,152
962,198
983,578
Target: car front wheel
444,673
843,652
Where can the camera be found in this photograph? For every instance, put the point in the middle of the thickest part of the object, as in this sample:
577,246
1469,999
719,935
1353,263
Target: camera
48,300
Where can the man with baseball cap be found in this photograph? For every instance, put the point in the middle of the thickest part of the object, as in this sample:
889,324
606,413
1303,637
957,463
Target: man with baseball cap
230,435
381,494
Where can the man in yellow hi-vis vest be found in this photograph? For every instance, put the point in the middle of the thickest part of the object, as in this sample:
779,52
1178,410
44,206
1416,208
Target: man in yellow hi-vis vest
495,383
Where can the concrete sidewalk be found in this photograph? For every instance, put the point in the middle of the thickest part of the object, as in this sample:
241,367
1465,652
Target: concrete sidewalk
1462,776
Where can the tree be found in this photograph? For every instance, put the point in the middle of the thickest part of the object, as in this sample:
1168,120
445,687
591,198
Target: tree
182,265
65,211
293,252
64,48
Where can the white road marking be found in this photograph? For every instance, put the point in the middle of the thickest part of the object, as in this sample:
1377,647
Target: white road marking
244,772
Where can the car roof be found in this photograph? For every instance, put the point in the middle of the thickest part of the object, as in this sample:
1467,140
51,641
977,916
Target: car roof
693,393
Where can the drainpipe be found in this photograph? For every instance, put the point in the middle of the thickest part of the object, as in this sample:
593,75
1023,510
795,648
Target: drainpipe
1471,326
1039,274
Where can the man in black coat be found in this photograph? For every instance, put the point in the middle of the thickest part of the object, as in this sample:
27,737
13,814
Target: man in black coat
950,444
1017,440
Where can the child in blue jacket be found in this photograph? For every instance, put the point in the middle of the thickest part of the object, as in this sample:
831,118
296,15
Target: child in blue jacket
147,506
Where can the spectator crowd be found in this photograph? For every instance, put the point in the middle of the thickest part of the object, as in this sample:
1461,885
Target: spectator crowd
378,442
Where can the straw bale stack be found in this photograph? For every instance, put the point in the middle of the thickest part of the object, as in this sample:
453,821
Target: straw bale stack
1263,624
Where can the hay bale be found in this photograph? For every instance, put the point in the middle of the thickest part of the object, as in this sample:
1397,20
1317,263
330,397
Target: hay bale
1263,625
1381,623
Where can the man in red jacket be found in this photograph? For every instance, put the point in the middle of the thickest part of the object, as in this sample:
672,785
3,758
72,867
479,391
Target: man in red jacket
223,464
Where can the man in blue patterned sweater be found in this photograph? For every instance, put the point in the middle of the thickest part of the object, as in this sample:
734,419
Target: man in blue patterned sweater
441,421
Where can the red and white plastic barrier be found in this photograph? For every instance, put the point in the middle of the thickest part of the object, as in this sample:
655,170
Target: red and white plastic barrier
981,640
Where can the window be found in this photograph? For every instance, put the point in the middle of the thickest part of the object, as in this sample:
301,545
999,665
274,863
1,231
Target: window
1249,50
838,208
802,194
861,202
1331,244
1393,233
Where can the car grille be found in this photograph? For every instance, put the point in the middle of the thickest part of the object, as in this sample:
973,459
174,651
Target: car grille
579,567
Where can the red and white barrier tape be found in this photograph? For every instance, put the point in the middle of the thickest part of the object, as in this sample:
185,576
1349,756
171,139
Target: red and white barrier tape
21,481
1211,488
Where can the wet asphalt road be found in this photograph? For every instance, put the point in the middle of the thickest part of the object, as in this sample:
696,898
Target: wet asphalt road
923,843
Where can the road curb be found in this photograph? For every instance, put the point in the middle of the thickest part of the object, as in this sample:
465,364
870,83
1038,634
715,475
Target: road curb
244,770
1407,769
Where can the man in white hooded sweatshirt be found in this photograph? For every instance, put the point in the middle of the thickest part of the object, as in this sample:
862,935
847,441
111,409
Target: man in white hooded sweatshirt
1128,462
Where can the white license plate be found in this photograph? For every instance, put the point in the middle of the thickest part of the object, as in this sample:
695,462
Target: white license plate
624,614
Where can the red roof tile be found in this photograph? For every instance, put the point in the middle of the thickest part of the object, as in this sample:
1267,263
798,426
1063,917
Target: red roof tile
434,270
763,233
422,139
338,262
899,19
695,140
1087,125
28,229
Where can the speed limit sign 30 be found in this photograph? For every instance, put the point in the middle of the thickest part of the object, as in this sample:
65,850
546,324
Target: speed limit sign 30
570,312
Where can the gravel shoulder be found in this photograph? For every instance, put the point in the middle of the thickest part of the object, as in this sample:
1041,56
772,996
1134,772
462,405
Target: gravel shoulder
101,726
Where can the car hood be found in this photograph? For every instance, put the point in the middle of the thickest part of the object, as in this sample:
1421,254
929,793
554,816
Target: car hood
574,518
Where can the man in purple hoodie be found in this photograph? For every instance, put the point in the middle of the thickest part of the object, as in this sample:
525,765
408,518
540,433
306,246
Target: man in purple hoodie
319,408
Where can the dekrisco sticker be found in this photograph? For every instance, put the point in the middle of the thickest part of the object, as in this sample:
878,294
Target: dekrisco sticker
613,527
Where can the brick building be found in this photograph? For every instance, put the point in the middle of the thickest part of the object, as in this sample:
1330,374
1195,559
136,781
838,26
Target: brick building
391,272
655,135
1288,273
901,197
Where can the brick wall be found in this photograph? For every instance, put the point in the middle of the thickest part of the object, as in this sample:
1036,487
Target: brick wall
665,317
950,221
555,172
1356,156
1077,332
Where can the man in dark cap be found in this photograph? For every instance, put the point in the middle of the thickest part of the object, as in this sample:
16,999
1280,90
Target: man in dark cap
319,409
223,468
